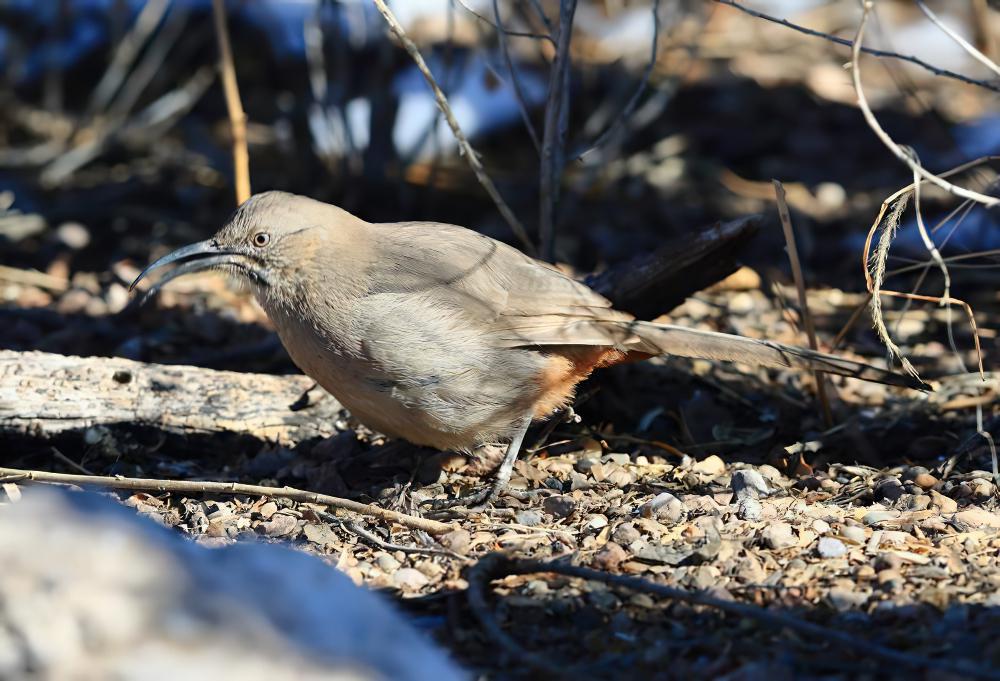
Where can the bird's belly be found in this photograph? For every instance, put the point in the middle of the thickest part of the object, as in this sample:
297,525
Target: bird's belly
445,413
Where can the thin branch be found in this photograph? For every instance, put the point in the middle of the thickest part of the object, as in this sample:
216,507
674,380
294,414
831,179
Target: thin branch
497,566
962,42
237,117
196,486
867,50
898,152
378,543
463,143
554,135
500,29
515,82
636,96
935,254
800,286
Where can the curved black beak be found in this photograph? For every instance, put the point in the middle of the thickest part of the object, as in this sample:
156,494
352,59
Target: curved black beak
200,256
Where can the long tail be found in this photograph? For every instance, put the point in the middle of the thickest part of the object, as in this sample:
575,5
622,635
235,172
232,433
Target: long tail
666,339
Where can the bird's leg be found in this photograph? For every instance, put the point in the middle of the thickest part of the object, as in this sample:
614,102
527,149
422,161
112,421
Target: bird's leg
488,495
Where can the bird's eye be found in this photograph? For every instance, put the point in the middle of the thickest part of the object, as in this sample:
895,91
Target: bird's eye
261,239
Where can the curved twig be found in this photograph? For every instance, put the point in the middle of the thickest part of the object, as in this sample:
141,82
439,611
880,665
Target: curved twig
897,151
937,71
496,566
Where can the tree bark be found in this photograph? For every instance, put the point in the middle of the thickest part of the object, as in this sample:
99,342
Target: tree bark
46,396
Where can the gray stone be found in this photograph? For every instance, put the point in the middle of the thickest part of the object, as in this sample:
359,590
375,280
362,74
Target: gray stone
560,506
90,589
779,536
829,547
529,518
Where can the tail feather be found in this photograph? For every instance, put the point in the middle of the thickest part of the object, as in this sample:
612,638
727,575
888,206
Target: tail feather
666,339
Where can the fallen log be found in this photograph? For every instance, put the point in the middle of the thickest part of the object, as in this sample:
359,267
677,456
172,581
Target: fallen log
49,397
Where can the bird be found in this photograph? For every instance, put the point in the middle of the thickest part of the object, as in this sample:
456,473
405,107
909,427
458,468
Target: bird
442,336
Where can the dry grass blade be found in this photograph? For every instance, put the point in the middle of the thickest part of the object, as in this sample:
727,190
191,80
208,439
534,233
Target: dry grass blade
959,40
800,286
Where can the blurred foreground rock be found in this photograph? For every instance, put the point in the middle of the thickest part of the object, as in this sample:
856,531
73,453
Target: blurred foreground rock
89,591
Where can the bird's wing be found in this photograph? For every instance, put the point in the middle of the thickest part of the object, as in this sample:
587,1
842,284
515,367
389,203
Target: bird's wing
490,281
523,302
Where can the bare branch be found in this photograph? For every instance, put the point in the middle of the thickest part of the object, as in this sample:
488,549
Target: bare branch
497,566
515,83
500,28
636,96
897,151
867,50
554,136
962,42
463,143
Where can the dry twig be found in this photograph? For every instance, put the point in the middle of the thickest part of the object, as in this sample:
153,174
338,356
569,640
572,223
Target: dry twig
463,143
197,486
554,135
237,117
633,101
959,40
937,71
898,151
497,566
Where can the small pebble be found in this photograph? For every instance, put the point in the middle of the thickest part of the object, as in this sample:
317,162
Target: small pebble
387,563
610,556
978,517
625,534
945,504
876,517
747,481
829,547
889,489
529,518
846,599
409,579
711,465
925,480
560,506
779,536
853,533
664,506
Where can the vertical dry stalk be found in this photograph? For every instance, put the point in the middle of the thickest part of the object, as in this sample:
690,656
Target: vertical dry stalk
554,135
237,117
800,286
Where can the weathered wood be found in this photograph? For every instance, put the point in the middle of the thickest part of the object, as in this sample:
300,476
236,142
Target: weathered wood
44,396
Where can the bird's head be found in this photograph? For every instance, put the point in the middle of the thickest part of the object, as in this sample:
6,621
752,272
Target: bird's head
267,243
